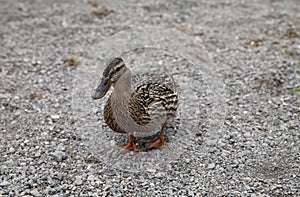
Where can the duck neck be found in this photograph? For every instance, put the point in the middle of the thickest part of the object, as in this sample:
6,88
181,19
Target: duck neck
120,98
122,88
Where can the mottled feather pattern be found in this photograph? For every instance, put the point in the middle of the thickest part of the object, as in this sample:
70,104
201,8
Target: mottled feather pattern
163,79
109,117
153,99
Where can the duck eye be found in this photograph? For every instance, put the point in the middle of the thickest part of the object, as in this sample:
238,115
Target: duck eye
118,69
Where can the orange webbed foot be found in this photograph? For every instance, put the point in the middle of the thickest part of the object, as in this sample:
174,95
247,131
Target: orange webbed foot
155,143
131,144
158,141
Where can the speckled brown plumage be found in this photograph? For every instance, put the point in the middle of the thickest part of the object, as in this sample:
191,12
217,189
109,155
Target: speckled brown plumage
147,94
139,103
109,118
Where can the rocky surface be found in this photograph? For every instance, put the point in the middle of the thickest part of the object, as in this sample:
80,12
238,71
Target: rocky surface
249,146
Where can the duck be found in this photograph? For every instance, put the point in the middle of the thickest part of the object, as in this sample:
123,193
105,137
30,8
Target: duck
138,103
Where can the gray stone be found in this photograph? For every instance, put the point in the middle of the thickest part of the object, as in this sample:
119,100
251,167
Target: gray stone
78,181
4,183
211,166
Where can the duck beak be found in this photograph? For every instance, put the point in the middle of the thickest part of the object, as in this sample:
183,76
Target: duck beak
102,89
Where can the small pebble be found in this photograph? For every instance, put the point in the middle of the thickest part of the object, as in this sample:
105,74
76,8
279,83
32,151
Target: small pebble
4,183
55,117
78,181
211,166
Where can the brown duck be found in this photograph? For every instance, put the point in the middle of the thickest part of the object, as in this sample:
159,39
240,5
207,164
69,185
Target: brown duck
140,103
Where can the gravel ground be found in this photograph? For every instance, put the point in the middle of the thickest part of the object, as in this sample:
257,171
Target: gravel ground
237,133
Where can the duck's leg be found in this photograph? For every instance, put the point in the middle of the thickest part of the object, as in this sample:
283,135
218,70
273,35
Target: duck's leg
160,140
130,144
